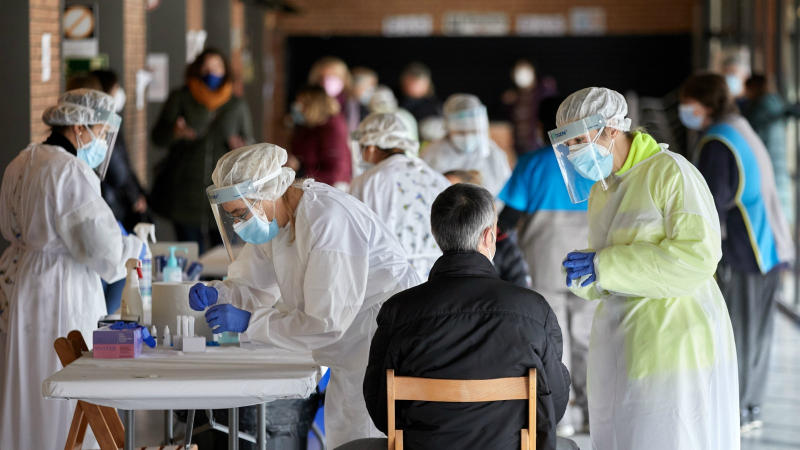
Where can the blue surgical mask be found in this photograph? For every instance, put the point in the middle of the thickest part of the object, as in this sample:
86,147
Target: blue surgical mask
94,152
212,81
591,161
297,115
256,231
735,85
466,143
689,119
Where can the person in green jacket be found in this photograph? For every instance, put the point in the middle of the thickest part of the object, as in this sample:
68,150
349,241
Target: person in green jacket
199,123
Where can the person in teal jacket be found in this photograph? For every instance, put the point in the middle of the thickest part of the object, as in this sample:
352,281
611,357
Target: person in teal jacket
756,244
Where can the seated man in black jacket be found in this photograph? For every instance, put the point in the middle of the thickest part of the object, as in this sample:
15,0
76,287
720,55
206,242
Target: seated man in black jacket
466,323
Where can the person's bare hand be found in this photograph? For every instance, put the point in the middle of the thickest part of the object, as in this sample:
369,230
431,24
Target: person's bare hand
235,142
141,205
183,131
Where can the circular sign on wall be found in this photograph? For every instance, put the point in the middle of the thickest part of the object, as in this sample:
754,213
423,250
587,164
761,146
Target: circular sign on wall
153,5
78,22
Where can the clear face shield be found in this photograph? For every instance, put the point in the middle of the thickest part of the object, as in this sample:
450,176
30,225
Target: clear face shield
468,131
241,219
582,160
99,144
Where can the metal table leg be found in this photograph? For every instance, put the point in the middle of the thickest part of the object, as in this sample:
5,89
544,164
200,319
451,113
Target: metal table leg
233,429
261,423
187,439
168,438
130,428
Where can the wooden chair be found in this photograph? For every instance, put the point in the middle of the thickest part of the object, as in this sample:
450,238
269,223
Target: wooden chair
461,391
105,422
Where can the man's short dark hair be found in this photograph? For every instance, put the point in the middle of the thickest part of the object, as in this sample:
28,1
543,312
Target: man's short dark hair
459,215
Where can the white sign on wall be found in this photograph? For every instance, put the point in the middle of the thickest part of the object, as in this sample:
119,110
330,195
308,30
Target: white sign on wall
541,25
46,55
587,21
408,25
195,41
158,66
475,24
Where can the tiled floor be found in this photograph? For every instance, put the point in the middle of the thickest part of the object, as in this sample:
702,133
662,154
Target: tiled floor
782,409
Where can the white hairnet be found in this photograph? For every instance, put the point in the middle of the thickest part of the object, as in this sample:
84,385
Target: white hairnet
432,129
387,131
253,163
383,101
457,103
465,112
82,107
591,101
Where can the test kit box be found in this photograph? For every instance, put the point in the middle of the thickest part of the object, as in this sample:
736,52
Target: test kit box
115,344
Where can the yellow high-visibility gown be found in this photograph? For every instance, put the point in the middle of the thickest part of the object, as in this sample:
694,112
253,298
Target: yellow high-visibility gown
662,368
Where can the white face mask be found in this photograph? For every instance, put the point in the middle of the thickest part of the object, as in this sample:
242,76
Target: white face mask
119,99
466,143
523,78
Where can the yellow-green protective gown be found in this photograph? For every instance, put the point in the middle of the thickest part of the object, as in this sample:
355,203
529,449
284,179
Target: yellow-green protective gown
662,361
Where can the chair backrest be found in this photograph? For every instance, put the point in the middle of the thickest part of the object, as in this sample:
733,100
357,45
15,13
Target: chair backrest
70,348
460,391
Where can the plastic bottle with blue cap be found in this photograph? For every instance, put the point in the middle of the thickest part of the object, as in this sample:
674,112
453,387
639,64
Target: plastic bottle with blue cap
173,273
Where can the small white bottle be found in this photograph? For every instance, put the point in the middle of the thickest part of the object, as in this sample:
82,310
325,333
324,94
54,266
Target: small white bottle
167,342
154,333
185,323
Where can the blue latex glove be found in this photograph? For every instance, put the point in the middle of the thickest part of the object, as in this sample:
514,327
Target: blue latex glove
579,264
202,296
227,317
122,229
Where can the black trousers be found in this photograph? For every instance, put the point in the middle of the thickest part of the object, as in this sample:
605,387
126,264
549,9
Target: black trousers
751,304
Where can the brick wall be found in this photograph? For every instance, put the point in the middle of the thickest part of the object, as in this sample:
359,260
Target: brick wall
44,18
237,37
194,15
135,53
360,17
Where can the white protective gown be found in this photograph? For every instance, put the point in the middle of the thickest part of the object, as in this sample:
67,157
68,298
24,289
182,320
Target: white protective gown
662,372
63,239
331,280
401,191
443,156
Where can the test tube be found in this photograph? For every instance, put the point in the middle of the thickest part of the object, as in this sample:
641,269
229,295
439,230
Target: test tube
191,326
178,328
185,331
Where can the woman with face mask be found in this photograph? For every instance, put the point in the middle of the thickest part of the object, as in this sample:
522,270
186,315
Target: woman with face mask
320,143
467,145
523,105
64,238
325,258
662,361
199,123
756,242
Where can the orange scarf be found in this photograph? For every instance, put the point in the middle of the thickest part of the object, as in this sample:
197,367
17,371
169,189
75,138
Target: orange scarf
212,100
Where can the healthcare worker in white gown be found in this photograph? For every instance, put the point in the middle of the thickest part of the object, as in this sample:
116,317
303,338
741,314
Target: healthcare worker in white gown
64,239
467,145
662,371
399,187
317,266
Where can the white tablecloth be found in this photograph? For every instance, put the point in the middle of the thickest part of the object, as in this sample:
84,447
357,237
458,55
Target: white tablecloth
223,377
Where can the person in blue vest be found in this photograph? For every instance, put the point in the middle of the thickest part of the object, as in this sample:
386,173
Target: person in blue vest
756,243
550,226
